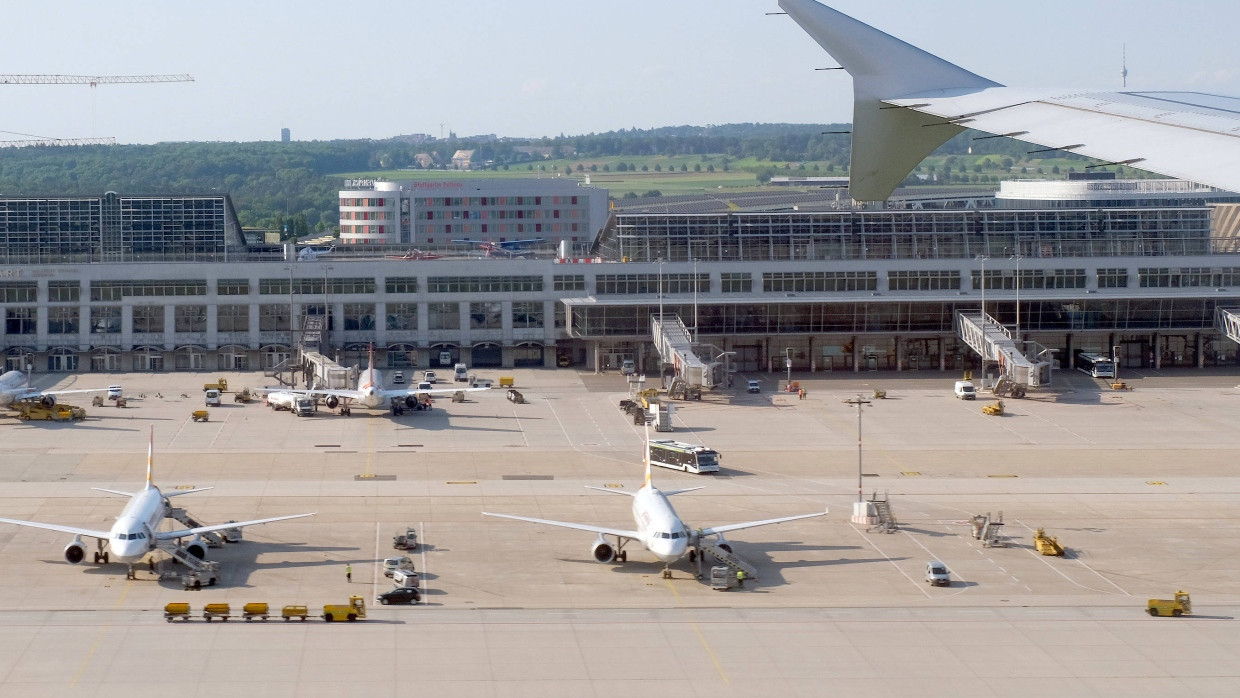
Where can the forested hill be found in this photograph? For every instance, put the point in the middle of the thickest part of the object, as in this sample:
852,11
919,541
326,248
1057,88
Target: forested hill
274,181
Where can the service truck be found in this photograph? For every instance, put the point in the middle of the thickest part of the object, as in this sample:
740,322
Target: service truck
300,405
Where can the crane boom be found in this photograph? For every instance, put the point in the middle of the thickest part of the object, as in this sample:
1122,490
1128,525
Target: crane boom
91,80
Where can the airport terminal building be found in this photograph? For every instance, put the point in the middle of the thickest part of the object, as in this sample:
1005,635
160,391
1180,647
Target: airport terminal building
88,285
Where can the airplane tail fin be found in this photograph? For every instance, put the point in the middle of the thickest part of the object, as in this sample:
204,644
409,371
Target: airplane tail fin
150,460
887,142
647,458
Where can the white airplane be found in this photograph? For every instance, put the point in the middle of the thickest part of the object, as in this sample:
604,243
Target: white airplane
371,393
907,102
15,387
135,533
659,528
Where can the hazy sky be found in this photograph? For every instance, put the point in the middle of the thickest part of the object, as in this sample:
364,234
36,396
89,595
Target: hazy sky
331,70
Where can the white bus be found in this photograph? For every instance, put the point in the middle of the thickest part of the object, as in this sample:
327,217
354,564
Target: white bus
1096,365
686,457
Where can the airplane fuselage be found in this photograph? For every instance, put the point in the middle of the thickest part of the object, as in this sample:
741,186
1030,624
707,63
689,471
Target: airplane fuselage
369,386
663,533
133,534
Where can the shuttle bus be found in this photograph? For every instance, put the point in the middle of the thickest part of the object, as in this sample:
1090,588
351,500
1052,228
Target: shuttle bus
1096,365
686,457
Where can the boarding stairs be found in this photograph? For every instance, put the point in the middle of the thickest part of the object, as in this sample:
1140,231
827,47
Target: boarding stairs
193,563
213,539
992,341
676,348
886,518
989,530
732,560
1228,320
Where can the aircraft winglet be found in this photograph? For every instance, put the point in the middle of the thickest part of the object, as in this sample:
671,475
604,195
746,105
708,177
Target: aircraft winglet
887,141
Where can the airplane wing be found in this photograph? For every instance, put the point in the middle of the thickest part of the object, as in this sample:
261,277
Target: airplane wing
182,533
754,524
35,393
433,391
178,493
350,394
63,529
104,489
602,530
907,102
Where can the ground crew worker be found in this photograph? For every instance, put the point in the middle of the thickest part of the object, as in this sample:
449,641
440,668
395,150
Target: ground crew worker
740,578
348,573
802,392
151,563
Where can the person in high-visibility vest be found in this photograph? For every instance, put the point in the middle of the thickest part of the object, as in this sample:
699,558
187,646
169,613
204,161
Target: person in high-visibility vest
740,578
348,573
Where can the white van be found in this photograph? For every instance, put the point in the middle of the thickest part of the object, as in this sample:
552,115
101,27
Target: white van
460,373
445,358
404,578
964,390
212,397
937,575
628,367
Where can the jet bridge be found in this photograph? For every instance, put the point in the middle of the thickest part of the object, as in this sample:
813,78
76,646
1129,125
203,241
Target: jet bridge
1228,320
676,347
992,341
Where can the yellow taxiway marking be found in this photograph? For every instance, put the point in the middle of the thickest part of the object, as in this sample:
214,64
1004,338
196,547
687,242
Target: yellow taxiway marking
102,632
701,638
1155,482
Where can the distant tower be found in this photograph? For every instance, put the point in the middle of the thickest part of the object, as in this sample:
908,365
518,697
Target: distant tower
285,135
1124,71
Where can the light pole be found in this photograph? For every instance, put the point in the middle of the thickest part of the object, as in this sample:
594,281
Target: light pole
788,366
292,324
1017,257
660,260
982,258
860,510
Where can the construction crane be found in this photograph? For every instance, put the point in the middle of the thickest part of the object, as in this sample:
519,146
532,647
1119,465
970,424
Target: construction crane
91,80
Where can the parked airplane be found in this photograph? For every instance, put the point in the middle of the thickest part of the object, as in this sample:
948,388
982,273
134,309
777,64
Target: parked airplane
504,248
659,528
15,387
135,533
309,254
370,392
907,102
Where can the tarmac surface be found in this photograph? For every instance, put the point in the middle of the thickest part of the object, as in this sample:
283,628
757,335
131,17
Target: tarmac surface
1141,487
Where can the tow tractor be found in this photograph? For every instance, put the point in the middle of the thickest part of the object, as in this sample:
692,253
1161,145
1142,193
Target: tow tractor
1178,606
356,608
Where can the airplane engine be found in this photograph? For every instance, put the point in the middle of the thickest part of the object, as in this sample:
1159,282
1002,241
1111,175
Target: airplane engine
603,552
48,400
197,548
75,552
331,401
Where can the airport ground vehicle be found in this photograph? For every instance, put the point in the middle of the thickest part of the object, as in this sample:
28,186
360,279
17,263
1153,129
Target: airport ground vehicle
964,390
460,373
59,412
445,358
200,416
430,377
176,609
216,610
994,409
399,562
409,595
722,578
398,377
212,398
114,392
289,612
356,608
753,387
1047,545
255,610
220,384
937,575
405,578
1178,606
628,367
1096,365
300,405
681,456
407,540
